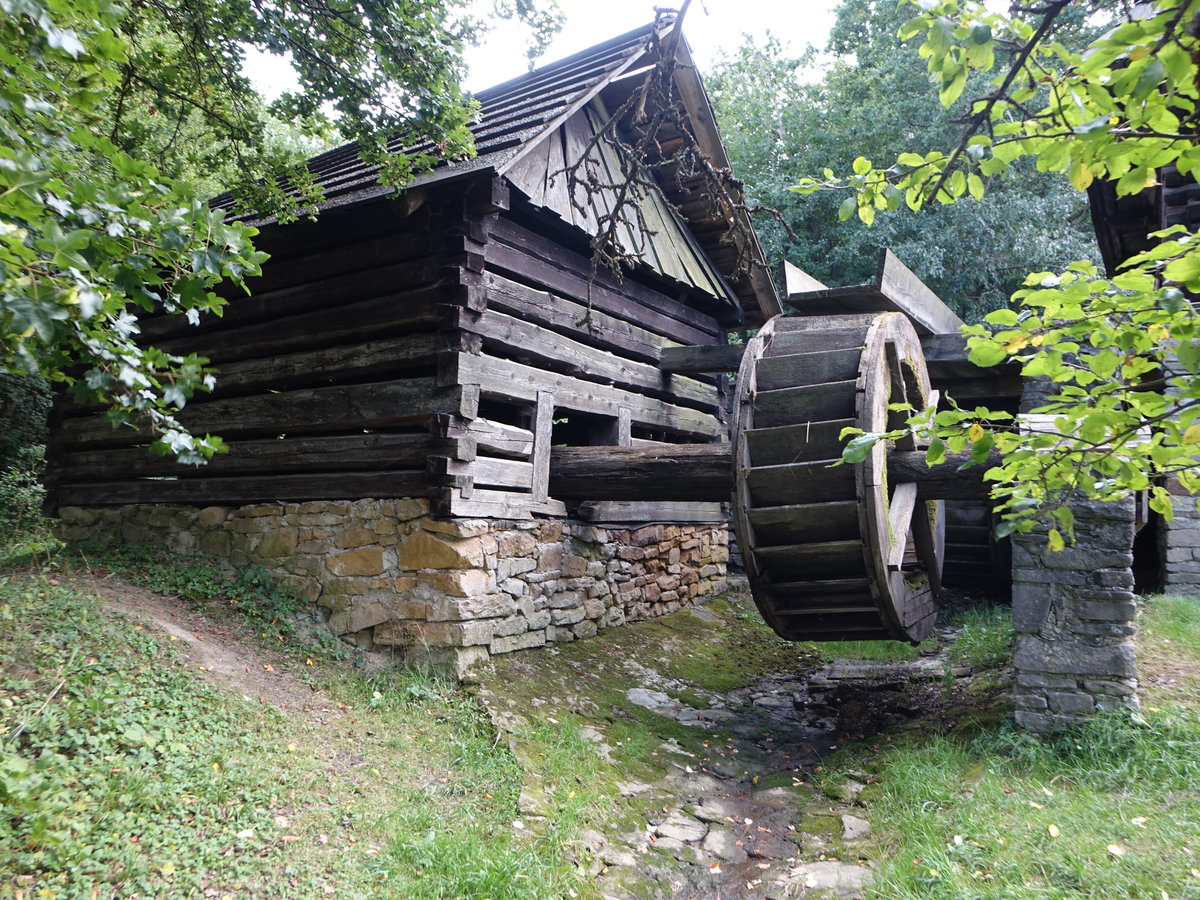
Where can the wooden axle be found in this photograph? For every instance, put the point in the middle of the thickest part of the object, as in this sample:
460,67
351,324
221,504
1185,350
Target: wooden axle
704,472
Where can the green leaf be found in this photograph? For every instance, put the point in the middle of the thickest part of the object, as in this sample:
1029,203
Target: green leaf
936,453
860,447
1185,271
985,353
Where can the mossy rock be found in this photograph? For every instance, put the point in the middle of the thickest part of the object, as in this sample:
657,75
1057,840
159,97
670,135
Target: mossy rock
823,825
622,881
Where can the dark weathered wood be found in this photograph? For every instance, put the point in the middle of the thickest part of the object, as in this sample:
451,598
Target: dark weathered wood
339,453
710,358
528,343
828,559
816,403
797,443
383,357
401,312
255,489
307,411
806,341
814,482
302,297
800,592
818,367
690,472
641,511
946,481
835,521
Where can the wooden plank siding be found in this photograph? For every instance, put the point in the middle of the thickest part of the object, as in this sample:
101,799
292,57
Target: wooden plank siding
327,383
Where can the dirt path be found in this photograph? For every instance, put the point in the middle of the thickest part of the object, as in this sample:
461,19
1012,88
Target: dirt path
222,656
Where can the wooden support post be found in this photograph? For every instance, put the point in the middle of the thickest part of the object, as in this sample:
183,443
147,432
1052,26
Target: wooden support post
543,426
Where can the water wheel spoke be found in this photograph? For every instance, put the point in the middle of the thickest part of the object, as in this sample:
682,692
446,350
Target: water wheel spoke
900,520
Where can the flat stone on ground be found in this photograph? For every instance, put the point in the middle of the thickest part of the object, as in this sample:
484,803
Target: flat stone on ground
722,843
854,828
681,827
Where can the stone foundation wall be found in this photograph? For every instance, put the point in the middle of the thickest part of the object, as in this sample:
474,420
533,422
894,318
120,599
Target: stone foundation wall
1074,616
446,591
1179,548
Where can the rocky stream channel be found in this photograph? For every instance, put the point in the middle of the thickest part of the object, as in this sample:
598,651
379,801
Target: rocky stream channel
707,736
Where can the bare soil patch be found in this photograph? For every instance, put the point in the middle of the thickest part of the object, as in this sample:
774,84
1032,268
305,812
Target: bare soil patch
220,654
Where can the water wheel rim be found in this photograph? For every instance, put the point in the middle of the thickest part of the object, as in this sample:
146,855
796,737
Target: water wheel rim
892,370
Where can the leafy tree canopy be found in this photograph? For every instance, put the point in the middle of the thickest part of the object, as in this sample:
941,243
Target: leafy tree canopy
1122,354
873,99
113,120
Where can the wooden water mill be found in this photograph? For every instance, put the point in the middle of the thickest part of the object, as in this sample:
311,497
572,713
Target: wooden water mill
833,552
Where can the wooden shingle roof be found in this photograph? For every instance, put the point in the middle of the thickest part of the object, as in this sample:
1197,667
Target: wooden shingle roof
519,113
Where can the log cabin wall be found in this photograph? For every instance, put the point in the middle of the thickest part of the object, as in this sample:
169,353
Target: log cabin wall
327,374
549,369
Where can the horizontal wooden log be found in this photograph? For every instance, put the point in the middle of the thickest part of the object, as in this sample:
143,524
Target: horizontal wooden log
308,411
528,343
506,380
488,471
704,472
690,472
306,296
338,453
539,260
499,504
946,481
401,312
565,316
704,358
255,489
628,512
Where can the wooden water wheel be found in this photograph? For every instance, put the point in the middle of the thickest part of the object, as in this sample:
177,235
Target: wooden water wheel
833,553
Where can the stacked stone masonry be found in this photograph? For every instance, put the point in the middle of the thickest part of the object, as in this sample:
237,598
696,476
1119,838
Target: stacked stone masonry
1179,548
445,591
1074,614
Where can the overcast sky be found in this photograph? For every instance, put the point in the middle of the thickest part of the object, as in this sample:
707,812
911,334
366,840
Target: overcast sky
712,26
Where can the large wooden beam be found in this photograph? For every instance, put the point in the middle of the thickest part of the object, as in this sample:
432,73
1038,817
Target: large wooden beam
895,289
704,472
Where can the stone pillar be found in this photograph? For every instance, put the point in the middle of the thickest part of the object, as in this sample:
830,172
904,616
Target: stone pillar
1179,548
1073,612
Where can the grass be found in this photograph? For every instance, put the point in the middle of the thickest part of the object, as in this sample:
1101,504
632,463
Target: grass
121,774
984,640
988,811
